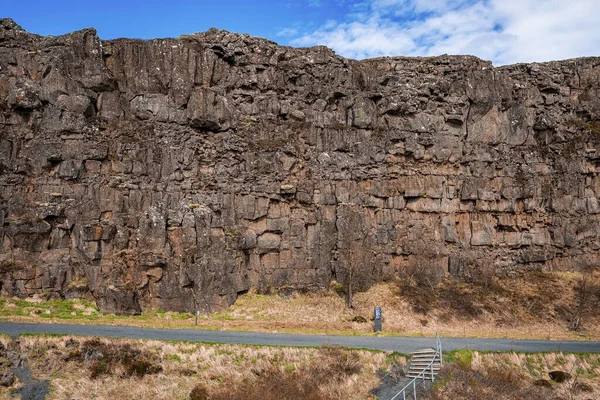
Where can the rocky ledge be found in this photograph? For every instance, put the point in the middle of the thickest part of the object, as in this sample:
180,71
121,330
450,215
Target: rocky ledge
179,173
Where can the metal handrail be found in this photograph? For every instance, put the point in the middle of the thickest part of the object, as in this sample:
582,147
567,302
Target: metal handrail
428,369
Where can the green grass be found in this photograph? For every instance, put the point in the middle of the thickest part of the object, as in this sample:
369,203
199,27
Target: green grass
61,309
81,310
44,335
154,314
463,357
393,357
223,316
173,357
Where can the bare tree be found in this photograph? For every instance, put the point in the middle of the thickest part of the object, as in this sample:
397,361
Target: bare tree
352,248
587,290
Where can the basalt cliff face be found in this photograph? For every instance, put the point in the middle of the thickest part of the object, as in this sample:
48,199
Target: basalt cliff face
178,173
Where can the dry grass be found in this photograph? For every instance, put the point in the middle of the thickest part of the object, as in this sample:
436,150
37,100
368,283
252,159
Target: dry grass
536,305
181,370
221,371
475,375
532,305
5,365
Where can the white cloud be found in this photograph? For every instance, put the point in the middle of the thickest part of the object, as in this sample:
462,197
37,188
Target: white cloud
504,31
553,29
287,32
360,39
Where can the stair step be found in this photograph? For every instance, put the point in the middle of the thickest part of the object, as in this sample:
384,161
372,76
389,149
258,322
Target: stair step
415,362
424,351
426,377
425,359
428,371
413,371
410,370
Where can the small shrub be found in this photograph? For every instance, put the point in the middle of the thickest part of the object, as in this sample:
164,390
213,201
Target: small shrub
543,383
98,368
339,289
359,318
139,368
73,355
463,358
107,358
199,392
581,387
339,363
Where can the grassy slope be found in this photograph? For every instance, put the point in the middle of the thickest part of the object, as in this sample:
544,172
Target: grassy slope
536,305
115,369
472,375
124,369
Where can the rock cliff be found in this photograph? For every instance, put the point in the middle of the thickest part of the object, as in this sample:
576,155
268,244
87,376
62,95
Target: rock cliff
178,173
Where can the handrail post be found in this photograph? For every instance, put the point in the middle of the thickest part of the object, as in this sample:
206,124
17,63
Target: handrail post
441,356
432,378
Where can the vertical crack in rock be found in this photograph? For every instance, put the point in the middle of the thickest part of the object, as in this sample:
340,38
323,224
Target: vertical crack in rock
468,119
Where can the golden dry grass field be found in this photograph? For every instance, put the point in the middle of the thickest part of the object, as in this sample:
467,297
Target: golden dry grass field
473,375
93,368
119,369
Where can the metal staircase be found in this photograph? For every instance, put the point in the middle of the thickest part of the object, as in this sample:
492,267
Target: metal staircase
425,359
424,366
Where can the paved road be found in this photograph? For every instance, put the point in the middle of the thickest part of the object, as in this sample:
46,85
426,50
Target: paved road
400,344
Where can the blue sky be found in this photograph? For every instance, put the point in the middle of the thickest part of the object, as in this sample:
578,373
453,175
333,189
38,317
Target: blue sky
155,18
504,31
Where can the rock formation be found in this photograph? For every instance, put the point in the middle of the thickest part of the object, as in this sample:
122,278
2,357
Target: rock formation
178,173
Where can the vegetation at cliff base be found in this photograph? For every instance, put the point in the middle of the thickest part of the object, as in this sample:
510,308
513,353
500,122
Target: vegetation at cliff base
528,305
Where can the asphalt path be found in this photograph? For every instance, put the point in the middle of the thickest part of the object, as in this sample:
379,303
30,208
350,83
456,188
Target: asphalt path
385,343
